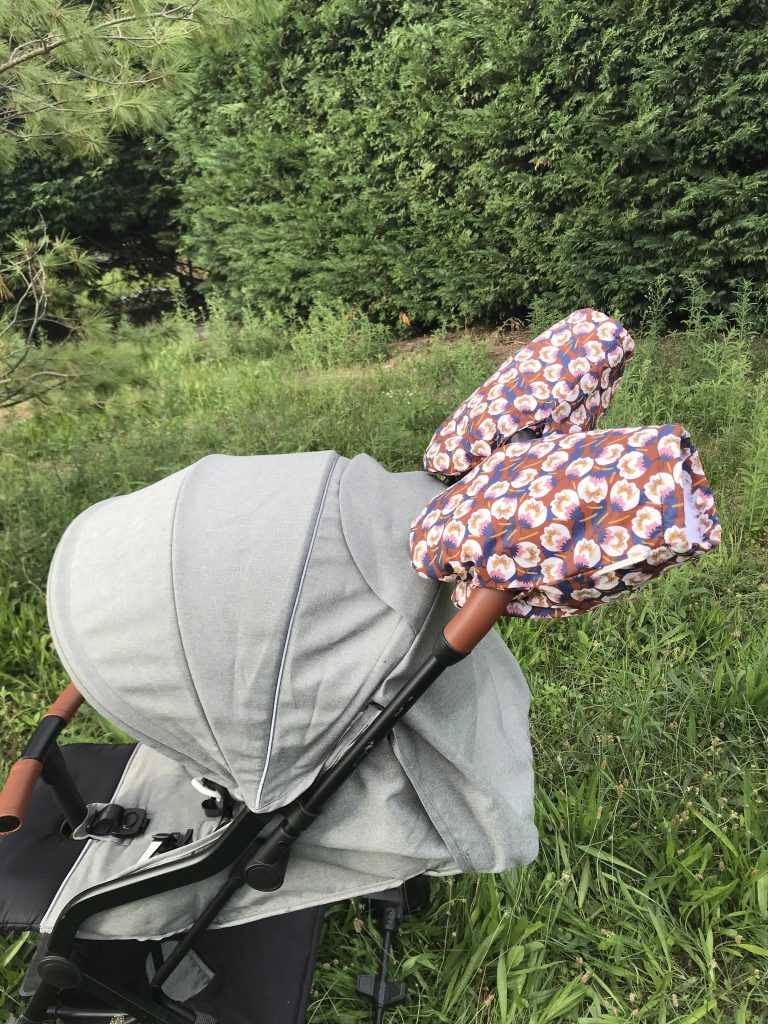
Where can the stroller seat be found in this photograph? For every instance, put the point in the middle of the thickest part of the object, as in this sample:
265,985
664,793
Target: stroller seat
35,860
322,869
277,955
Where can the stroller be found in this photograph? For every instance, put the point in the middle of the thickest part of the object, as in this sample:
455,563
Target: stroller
255,624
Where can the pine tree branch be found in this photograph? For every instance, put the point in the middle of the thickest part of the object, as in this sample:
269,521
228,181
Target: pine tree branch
28,388
45,47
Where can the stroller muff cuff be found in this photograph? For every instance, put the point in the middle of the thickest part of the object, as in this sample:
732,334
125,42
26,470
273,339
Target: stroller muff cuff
313,719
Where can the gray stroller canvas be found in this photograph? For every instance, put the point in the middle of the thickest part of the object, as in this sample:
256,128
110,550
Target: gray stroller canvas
244,619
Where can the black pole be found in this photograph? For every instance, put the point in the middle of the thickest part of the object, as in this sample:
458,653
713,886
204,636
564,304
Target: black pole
172,961
56,775
381,1006
37,1008
326,784
68,1013
266,870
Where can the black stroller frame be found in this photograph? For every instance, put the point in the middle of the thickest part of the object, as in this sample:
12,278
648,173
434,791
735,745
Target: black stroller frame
254,848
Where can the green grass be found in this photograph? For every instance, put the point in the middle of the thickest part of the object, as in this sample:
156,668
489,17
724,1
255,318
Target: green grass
649,899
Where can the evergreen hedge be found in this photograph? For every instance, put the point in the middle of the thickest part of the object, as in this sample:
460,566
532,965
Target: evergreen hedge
460,160
119,205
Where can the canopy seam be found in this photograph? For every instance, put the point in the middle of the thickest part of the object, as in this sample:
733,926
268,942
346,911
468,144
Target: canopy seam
289,632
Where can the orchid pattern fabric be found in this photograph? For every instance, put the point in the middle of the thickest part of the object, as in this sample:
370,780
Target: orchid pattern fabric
561,382
570,522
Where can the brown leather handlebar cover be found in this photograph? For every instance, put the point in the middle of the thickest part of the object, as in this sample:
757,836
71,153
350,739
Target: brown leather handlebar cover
66,704
483,609
16,793
22,777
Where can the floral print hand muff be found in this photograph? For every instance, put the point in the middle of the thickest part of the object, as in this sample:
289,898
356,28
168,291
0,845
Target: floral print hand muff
561,382
574,519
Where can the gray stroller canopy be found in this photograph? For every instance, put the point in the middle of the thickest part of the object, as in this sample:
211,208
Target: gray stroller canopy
238,615
244,619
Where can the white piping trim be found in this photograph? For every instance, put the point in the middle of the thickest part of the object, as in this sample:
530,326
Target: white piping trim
289,632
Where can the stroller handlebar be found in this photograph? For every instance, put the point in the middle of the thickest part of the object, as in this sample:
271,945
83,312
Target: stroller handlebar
16,793
23,775
483,609
66,704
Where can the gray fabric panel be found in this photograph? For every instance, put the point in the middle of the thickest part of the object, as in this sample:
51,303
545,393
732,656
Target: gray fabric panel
455,793
112,618
243,526
377,509
345,641
194,614
190,977
162,786
372,835
465,746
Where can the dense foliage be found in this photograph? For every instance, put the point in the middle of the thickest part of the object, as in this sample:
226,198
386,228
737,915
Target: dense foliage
121,205
458,160
72,73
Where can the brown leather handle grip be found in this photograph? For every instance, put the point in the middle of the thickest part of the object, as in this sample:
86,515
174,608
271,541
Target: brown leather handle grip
22,777
16,793
66,704
479,615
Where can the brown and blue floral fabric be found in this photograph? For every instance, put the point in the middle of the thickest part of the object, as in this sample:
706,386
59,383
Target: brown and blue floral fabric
561,382
570,521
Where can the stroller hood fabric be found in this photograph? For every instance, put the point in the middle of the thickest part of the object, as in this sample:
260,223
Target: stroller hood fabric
244,619
239,614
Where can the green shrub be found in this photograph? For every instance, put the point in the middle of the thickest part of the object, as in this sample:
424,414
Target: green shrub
463,160
333,336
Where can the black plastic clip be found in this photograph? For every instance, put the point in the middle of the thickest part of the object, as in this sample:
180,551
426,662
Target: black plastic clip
163,842
218,801
171,840
117,821
383,994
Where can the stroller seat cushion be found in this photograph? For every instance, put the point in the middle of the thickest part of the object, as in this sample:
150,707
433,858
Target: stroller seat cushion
35,860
